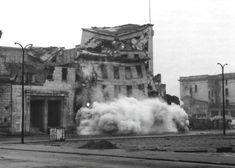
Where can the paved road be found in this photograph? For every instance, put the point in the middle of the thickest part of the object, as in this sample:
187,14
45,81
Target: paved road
34,159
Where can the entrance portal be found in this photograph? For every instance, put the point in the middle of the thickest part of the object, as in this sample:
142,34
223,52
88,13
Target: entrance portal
37,114
54,113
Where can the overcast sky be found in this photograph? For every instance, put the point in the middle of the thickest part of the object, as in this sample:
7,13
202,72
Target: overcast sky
191,36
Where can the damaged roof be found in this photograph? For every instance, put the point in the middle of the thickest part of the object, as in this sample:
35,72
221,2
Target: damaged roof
44,54
118,30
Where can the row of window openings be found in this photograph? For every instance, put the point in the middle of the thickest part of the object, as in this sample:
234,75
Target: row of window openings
136,56
116,73
213,93
117,90
104,72
128,73
216,113
226,102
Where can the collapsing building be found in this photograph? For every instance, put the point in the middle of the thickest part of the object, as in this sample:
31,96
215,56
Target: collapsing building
110,61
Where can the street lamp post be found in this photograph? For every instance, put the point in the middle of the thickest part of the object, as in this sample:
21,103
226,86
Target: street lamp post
22,83
224,125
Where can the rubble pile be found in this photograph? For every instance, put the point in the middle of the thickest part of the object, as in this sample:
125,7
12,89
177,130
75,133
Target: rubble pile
102,144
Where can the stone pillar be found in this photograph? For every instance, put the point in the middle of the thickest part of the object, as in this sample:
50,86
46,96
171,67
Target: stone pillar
45,115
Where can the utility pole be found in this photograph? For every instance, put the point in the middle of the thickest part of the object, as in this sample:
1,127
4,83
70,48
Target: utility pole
224,122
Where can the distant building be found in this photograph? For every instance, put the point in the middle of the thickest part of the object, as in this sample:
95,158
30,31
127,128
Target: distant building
202,96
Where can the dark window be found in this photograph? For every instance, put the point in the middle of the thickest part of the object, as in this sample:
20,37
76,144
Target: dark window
128,73
28,78
147,65
124,55
49,77
117,90
227,102
104,71
116,72
139,71
212,93
195,88
209,95
212,101
128,90
136,56
78,75
214,113
64,74
233,113
226,112
105,92
226,82
141,87
226,91
191,91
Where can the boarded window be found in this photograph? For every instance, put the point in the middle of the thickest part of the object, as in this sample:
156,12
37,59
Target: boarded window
104,72
128,73
64,74
139,71
128,90
116,72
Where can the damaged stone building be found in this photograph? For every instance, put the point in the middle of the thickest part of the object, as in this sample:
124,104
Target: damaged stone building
110,61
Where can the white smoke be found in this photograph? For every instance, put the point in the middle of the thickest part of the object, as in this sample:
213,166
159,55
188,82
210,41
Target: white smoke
131,116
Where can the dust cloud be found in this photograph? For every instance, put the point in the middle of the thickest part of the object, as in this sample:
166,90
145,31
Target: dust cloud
128,115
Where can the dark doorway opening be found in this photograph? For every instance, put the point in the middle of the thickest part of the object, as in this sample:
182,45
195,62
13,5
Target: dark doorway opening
37,114
54,113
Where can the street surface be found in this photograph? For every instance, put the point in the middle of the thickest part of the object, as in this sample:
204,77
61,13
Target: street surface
38,152
27,159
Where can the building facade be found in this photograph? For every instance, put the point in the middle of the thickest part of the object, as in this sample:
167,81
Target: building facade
202,96
109,62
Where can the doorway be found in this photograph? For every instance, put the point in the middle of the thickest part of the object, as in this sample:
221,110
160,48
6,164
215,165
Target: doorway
54,113
37,114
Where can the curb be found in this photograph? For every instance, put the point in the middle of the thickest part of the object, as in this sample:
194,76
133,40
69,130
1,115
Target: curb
124,156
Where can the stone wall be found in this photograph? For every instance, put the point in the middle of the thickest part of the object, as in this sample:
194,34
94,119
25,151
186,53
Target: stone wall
56,88
5,107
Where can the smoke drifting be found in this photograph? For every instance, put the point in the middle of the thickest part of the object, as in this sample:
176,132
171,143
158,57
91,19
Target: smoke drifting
127,115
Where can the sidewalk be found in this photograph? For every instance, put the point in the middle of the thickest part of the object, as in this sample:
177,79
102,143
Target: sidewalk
46,137
206,158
